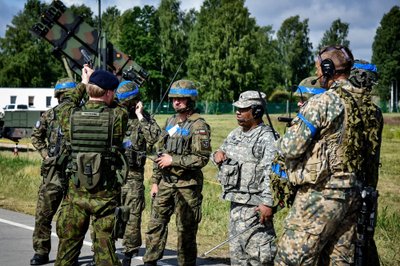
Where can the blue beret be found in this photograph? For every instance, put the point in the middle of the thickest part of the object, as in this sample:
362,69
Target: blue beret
104,80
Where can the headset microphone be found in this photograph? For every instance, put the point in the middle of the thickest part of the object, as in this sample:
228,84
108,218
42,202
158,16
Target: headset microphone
315,80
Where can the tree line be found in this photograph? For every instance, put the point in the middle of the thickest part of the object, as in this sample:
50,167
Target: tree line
221,47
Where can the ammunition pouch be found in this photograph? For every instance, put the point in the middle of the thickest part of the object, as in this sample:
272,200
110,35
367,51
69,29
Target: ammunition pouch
229,174
311,168
136,159
88,169
121,217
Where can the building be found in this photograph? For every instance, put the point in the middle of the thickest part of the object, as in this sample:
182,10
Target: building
34,98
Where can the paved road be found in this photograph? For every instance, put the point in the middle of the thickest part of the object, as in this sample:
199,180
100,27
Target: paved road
16,244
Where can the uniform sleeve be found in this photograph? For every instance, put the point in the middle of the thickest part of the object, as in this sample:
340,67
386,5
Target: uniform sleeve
151,130
200,148
120,125
304,127
38,136
76,95
268,156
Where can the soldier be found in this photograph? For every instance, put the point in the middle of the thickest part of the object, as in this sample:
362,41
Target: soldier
244,161
364,76
184,148
95,133
47,139
141,135
322,150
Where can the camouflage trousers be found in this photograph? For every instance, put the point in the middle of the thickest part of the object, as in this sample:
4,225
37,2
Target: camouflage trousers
133,196
254,247
76,211
186,203
49,198
320,228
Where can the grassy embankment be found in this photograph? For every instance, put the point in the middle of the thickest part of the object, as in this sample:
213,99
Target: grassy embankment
20,178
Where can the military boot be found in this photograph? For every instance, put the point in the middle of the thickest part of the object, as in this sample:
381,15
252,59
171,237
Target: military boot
126,261
39,259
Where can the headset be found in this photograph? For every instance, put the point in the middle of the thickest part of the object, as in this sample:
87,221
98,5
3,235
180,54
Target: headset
328,67
257,111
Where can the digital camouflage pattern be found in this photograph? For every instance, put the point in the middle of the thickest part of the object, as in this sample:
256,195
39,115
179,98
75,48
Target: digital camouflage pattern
254,247
244,177
249,98
179,187
323,217
80,205
140,136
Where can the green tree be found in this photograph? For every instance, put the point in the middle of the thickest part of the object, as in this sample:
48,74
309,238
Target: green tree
295,50
26,61
138,37
223,50
109,21
386,51
336,35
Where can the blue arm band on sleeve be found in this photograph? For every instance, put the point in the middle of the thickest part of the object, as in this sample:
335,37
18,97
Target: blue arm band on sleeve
309,125
276,168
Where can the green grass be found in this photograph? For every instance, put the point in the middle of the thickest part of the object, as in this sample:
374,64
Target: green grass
19,179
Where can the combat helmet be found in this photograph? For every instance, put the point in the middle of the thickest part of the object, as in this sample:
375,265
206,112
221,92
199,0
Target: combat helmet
183,89
126,91
363,74
63,85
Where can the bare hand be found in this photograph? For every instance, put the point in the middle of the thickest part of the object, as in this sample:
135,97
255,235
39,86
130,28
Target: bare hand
164,160
154,190
266,213
139,110
219,157
86,73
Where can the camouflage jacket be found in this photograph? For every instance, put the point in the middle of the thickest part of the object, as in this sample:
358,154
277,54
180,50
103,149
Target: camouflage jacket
191,153
139,138
323,122
250,153
47,132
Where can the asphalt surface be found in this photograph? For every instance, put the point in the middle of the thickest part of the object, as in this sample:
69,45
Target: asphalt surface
16,244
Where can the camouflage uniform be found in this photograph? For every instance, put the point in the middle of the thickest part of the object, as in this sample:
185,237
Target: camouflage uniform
322,148
140,136
47,139
363,76
81,203
244,177
179,187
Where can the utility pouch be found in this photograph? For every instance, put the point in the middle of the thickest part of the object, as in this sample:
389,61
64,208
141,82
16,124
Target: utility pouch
312,168
88,169
229,173
48,169
121,217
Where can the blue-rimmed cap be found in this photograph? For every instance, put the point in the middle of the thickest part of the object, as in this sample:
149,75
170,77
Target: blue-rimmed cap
127,90
63,85
369,67
305,89
183,88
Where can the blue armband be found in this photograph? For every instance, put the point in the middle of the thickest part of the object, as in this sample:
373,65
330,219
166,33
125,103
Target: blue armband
308,124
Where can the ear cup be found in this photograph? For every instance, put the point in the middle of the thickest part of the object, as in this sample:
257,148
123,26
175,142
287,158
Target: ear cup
328,68
257,111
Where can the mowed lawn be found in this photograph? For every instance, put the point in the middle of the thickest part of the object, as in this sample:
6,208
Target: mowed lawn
20,178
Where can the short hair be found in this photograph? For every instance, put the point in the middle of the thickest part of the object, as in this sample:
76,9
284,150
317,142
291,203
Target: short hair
94,90
341,57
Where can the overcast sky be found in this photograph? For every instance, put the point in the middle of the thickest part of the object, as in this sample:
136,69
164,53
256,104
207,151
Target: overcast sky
364,16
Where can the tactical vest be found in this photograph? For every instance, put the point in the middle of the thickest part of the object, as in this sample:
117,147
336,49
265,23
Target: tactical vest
178,137
91,135
335,153
242,172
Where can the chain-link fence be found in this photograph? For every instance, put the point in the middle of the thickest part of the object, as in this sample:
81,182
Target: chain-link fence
206,107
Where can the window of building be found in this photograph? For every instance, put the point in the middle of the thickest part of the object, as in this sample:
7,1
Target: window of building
48,101
13,99
31,101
